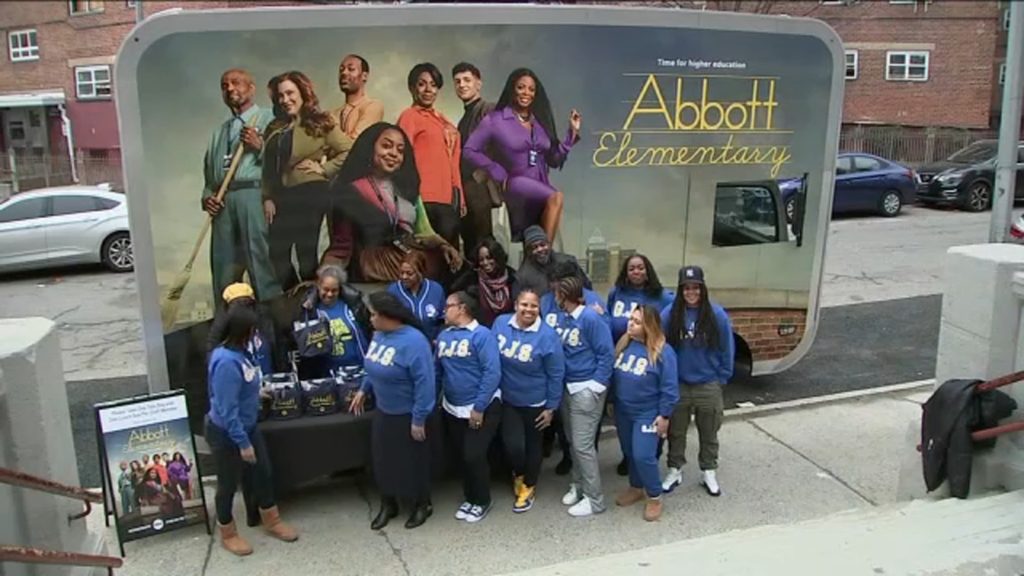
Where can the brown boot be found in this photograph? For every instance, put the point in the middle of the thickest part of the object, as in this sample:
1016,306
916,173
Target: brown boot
273,525
630,496
231,541
652,510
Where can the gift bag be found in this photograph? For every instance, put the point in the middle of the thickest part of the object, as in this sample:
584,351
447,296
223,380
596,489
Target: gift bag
313,336
349,380
285,396
319,396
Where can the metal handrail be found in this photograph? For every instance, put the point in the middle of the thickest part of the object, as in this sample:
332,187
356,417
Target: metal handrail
27,555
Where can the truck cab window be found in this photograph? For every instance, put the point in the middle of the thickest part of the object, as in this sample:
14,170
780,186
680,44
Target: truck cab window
745,215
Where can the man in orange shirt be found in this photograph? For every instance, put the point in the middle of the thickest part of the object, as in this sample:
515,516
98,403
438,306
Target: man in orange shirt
360,111
437,148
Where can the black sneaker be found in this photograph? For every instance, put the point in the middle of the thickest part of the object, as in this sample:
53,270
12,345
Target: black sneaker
477,513
564,467
623,468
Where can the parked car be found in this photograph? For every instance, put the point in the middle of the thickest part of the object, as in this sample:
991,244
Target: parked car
966,178
864,183
1017,230
65,225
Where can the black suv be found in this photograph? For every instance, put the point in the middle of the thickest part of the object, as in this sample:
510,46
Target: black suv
966,178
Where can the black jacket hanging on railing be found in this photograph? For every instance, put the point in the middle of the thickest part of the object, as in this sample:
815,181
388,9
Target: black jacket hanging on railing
950,415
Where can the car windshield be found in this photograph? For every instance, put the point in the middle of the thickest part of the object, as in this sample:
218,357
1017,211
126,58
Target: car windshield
975,153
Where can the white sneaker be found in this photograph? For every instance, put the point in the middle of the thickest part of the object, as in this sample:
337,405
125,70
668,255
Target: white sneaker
672,479
477,513
582,509
573,496
463,511
710,483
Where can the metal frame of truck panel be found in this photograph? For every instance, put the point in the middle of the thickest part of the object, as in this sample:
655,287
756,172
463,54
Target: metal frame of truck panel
173,22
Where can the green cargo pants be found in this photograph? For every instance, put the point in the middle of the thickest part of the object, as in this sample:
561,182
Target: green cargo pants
704,403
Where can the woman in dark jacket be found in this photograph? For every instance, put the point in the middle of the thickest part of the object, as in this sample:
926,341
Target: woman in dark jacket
491,281
342,307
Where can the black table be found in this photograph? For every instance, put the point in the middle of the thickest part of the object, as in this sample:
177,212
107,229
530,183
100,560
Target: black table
309,447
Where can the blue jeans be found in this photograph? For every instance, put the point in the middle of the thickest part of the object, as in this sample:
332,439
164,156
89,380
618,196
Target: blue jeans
639,441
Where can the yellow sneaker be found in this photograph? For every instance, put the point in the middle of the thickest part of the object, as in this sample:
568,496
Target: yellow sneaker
517,485
524,500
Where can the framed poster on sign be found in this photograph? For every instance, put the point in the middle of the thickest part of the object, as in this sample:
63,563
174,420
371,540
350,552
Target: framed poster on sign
148,457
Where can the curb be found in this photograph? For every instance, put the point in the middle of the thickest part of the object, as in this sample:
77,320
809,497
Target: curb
813,401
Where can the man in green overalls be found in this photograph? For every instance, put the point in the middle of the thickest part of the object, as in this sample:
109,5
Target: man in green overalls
239,236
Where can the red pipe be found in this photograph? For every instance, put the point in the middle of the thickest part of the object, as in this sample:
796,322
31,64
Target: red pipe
25,555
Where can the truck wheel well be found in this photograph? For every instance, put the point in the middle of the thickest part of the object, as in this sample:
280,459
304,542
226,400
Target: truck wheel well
744,364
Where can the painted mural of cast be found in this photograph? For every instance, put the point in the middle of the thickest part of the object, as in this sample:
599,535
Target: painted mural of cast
305,148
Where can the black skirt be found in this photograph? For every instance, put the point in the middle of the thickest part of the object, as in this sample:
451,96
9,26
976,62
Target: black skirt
401,465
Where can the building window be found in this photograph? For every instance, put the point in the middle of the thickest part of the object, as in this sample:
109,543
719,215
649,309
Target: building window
906,66
851,64
92,82
76,7
23,45
130,3
1002,73
833,2
1006,19
902,1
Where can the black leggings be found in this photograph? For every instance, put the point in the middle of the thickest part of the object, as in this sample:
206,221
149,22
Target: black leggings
473,446
230,469
523,442
299,213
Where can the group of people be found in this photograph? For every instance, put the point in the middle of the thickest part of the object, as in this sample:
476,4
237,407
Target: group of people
422,184
500,361
165,481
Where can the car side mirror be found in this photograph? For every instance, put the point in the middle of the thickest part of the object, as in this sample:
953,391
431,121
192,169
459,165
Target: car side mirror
799,206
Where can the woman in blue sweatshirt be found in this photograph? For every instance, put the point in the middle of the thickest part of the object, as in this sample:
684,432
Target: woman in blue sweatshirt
470,374
532,373
400,375
700,332
646,392
589,356
235,441
341,307
421,295
637,285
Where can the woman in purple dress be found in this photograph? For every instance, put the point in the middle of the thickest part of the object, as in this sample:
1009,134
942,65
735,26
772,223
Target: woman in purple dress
178,473
522,143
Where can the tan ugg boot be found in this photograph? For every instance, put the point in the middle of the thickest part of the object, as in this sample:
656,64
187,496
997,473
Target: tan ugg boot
630,496
652,510
231,541
273,525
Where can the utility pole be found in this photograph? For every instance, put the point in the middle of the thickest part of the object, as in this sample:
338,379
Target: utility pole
1007,162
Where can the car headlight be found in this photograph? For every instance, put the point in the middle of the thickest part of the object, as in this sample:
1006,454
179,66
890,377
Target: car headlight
951,179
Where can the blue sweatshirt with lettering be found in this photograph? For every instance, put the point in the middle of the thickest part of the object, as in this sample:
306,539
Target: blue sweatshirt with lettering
549,309
699,363
532,363
587,343
234,390
427,304
644,390
622,302
469,365
400,373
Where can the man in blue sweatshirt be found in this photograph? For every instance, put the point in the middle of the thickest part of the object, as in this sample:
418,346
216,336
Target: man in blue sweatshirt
589,356
700,332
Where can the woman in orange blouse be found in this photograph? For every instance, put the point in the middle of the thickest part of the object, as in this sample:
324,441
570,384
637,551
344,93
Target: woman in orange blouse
437,146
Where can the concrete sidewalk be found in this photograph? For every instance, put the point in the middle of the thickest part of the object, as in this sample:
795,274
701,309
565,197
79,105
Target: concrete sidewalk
776,469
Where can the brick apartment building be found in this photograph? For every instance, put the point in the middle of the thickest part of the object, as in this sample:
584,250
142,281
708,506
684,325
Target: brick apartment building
932,68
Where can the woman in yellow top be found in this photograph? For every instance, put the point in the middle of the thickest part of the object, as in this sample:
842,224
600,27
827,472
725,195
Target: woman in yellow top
305,147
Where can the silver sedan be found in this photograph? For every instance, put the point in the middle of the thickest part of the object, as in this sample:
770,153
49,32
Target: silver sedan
66,225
